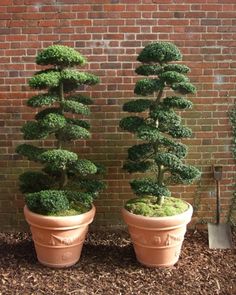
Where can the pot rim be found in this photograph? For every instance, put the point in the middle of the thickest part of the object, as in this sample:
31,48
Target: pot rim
57,217
45,221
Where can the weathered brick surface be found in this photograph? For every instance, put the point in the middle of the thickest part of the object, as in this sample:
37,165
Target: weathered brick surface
110,34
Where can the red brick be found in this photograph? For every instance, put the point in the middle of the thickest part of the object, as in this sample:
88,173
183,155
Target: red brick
111,7
111,35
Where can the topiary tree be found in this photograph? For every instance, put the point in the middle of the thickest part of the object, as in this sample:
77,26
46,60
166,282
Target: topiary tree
65,186
161,154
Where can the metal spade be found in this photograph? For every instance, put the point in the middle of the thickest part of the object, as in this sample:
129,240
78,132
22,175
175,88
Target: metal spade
219,234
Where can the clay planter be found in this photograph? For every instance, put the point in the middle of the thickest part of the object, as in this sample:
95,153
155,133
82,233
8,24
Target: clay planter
59,240
157,240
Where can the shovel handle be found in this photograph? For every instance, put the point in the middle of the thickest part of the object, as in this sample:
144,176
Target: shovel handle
218,202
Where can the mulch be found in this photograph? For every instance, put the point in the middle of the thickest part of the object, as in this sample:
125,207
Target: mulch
108,266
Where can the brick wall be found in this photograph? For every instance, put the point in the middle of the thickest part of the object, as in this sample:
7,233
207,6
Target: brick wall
110,34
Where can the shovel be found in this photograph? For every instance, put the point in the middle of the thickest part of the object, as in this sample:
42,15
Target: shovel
219,234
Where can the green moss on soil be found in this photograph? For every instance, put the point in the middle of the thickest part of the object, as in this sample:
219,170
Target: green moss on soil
76,209
147,206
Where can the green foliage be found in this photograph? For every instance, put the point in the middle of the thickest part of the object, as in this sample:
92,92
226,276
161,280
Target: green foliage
231,215
149,133
33,181
160,52
40,115
131,123
47,201
177,102
66,185
184,87
139,151
81,197
60,55
133,167
78,122
42,100
29,151
84,167
233,122
149,70
171,77
81,98
159,155
101,169
33,130
75,107
168,160
148,187
79,78
188,173
183,69
178,149
58,159
137,106
148,86
73,132
180,132
45,80
93,186
166,117
53,121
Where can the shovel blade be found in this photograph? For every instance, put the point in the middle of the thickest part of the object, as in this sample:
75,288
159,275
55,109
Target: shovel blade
219,236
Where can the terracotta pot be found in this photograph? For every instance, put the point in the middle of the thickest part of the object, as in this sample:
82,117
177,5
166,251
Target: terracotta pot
157,240
58,240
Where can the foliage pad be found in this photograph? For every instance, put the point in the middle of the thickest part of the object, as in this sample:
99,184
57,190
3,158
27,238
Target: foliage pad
67,184
161,156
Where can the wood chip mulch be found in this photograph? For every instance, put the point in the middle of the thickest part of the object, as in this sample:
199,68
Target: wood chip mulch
108,266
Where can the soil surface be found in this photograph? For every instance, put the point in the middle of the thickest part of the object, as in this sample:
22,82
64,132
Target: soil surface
108,266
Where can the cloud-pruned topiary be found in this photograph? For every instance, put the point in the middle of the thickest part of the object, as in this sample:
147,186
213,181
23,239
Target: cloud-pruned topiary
155,122
67,184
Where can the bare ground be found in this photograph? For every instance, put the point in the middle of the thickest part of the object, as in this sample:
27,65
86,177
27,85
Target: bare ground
108,266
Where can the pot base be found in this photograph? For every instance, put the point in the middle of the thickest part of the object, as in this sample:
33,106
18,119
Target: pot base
58,265
157,241
59,240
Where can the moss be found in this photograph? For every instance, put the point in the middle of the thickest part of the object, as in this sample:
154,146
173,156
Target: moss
76,209
147,206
